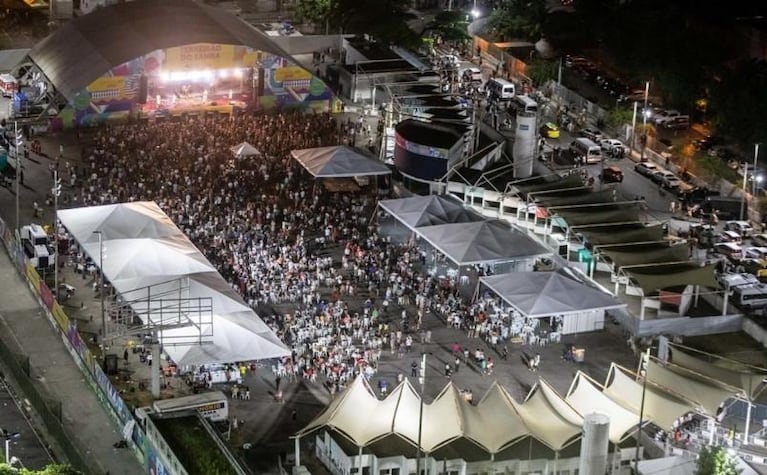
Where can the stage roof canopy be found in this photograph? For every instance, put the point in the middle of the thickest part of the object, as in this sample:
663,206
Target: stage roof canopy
430,210
339,162
86,47
543,294
160,274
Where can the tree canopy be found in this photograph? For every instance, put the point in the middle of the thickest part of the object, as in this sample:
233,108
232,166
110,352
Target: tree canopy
518,19
450,25
53,469
716,461
738,102
384,20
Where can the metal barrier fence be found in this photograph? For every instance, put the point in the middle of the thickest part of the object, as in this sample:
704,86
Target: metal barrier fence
47,409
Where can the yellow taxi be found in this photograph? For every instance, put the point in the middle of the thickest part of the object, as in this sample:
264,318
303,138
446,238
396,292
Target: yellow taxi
550,130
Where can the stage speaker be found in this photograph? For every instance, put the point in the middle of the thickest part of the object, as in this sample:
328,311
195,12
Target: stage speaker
110,364
143,89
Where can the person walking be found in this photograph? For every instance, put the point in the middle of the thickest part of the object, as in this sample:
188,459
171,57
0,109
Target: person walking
457,364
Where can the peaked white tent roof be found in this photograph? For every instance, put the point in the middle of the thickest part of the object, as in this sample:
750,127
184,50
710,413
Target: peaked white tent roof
539,294
139,219
339,162
161,274
586,396
747,378
660,406
417,211
481,242
245,150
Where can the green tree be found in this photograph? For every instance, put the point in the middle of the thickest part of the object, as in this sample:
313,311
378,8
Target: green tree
738,101
618,116
318,12
384,20
716,461
53,469
518,19
540,70
450,25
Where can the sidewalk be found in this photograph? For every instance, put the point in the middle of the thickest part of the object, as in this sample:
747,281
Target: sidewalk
26,329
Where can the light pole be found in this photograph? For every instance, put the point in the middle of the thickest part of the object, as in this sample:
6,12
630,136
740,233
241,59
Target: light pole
101,288
18,143
644,367
8,436
745,180
645,113
757,180
420,414
56,191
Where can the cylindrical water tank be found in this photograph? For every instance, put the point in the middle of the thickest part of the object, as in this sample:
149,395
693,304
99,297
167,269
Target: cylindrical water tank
594,444
524,145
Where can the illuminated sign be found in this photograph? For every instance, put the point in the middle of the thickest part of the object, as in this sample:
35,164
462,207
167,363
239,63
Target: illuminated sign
423,150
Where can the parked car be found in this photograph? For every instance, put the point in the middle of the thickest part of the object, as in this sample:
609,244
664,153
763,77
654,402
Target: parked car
728,236
757,267
612,175
707,142
759,240
755,252
614,146
730,250
550,130
591,134
669,180
662,116
679,122
741,227
696,195
646,168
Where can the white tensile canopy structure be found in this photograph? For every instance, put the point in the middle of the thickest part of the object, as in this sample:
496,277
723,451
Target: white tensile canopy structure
418,211
339,162
543,294
499,422
481,242
157,271
245,150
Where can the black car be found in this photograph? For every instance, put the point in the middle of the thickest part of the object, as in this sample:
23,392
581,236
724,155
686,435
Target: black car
707,142
696,195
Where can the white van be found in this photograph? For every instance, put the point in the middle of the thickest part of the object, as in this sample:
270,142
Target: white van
500,88
586,149
750,296
730,250
523,104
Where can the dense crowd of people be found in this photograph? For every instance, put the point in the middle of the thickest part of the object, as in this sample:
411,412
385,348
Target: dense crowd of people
309,261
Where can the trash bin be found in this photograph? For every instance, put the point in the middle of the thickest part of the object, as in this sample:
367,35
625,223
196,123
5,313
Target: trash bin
579,354
110,364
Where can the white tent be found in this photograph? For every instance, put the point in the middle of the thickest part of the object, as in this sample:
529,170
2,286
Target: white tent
543,294
139,219
339,162
245,150
417,211
167,282
481,242
586,396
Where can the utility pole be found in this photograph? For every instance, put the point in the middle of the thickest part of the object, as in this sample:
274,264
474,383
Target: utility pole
56,191
101,290
643,372
644,119
745,181
18,143
420,414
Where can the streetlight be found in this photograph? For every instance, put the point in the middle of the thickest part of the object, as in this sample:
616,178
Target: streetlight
644,365
19,141
757,183
422,380
56,191
101,288
645,115
8,436
745,179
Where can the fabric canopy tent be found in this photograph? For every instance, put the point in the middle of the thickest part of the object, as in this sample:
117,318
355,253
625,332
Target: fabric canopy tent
648,253
584,197
652,278
597,214
660,406
139,219
586,396
747,378
707,395
543,294
549,183
245,150
168,283
339,162
418,211
497,422
482,242
621,233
